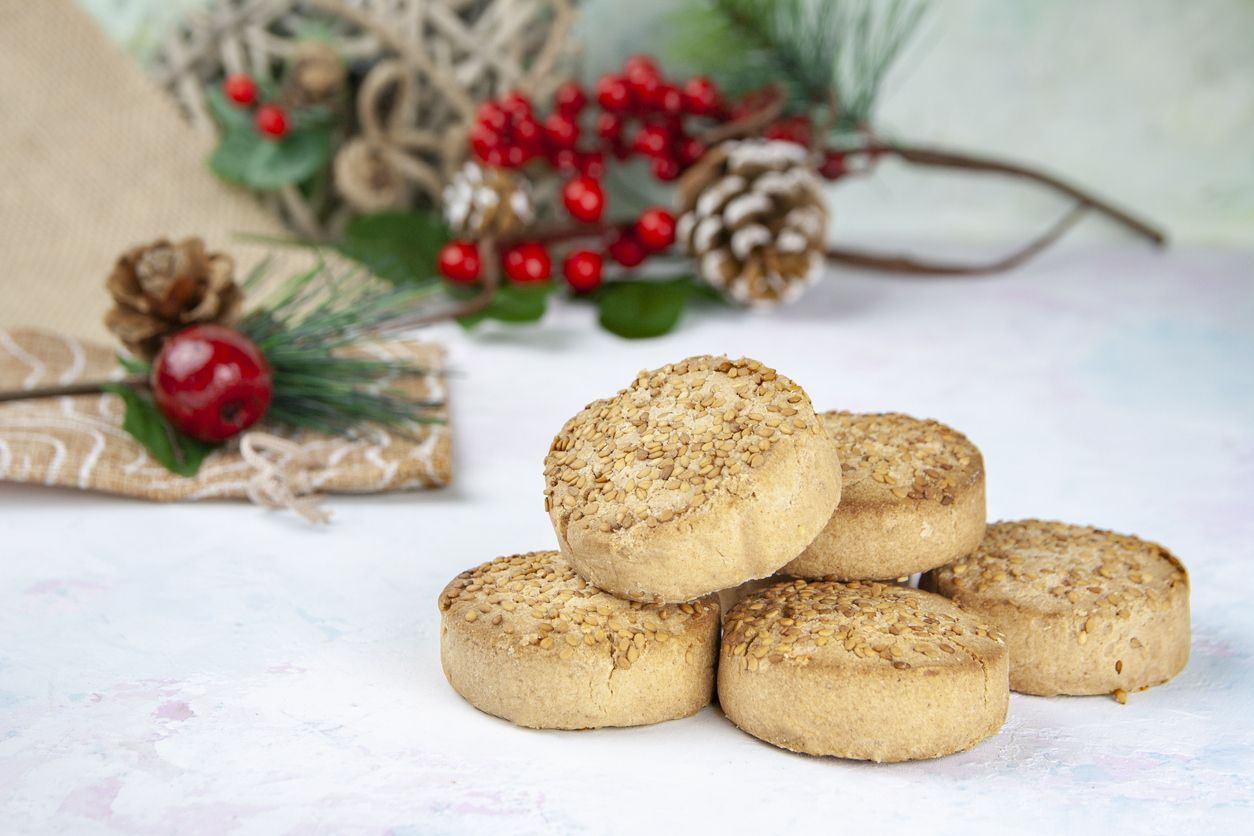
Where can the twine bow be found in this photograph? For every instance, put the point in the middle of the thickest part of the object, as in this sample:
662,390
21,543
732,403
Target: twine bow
283,481
375,170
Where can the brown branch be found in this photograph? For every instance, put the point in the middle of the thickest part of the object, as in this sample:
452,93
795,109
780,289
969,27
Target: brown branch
489,282
89,388
939,158
919,267
751,124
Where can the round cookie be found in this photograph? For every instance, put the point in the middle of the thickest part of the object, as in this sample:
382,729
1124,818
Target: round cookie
527,639
913,499
1084,611
699,476
861,670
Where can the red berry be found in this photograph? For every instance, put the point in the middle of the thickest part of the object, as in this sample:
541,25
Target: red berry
484,140
516,105
655,228
527,131
591,164
495,158
640,65
582,269
613,93
646,87
652,141
565,159
796,129
833,166
691,149
570,99
514,156
584,199
609,126
561,130
701,96
492,115
211,382
459,262
271,121
240,89
666,169
527,263
670,100
627,251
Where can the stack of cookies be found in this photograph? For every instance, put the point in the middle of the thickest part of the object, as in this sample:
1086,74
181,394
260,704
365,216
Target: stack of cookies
712,477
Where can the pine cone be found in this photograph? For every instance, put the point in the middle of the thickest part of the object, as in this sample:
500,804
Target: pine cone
487,201
316,77
161,288
367,178
752,215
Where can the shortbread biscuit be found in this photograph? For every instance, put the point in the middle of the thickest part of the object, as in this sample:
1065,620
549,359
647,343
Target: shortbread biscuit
699,476
527,639
861,670
1085,611
912,499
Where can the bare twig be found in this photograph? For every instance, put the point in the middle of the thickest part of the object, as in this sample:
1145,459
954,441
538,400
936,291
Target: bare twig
88,388
920,267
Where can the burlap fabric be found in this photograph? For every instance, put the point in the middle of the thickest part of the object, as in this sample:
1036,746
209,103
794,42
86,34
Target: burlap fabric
78,441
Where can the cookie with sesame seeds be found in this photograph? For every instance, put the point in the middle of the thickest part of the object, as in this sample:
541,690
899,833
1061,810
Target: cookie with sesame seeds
861,670
912,499
526,639
1085,611
697,477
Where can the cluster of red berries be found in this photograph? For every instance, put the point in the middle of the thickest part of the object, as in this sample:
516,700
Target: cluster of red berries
639,113
529,261
270,120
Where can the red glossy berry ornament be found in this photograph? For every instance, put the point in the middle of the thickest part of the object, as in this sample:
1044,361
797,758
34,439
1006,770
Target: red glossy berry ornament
240,89
639,65
582,269
516,105
701,96
561,130
271,121
655,228
627,251
211,382
527,263
666,169
833,166
570,99
613,93
652,141
584,199
459,262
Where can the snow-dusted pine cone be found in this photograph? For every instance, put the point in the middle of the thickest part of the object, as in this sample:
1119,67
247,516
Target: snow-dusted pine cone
753,217
480,200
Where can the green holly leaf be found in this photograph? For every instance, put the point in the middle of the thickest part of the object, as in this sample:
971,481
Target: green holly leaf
134,365
246,157
639,309
399,247
178,453
228,115
511,303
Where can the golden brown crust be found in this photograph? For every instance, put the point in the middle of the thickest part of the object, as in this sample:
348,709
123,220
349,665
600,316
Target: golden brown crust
701,475
912,499
525,638
1085,611
861,670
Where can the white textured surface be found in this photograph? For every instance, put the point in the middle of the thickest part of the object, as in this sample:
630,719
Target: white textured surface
218,668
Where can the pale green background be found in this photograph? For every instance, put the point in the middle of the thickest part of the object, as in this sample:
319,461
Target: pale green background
1150,102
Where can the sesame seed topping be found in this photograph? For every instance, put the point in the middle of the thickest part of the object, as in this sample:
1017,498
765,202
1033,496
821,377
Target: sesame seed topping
537,600
893,455
1061,568
797,621
674,439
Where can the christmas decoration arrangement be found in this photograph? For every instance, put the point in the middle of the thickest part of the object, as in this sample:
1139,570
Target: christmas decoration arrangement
713,475
386,133
306,391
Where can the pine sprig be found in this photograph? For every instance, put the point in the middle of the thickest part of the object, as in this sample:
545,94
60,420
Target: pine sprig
829,55
309,332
